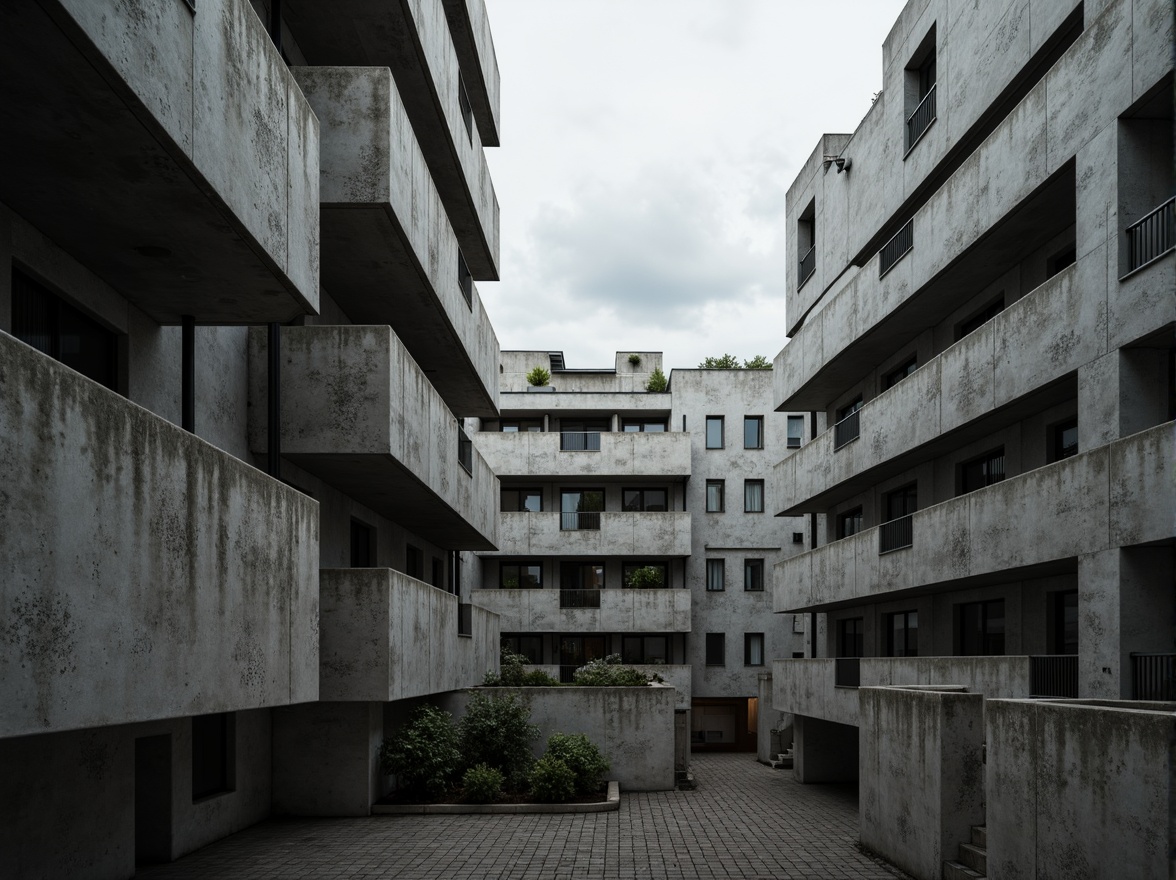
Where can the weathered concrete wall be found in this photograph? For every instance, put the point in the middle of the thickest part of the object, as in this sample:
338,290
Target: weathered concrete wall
623,379
921,775
138,563
474,43
621,533
621,454
530,402
633,727
676,676
625,610
1079,790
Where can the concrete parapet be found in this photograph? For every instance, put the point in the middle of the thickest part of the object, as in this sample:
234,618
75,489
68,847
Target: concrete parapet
620,533
620,611
539,455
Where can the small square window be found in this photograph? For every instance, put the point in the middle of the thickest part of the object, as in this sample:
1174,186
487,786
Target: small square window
849,523
795,431
714,496
753,432
753,649
714,432
715,575
716,649
753,496
1064,441
753,575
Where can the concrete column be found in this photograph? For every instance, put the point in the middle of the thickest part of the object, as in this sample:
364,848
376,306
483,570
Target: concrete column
824,751
1121,393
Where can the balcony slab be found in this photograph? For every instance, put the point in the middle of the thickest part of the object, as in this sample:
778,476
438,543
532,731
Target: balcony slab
620,611
538,455
621,533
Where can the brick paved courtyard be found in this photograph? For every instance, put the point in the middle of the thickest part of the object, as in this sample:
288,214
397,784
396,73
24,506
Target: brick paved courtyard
744,820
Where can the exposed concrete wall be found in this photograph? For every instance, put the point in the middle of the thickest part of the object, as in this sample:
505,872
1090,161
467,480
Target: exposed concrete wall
620,533
529,402
474,43
675,675
1079,790
624,378
621,454
625,610
105,627
824,751
633,727
922,775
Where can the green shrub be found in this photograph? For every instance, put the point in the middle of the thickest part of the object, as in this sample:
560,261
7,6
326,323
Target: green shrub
514,672
603,673
581,756
552,780
497,731
647,577
635,359
423,753
538,376
482,784
534,678
657,381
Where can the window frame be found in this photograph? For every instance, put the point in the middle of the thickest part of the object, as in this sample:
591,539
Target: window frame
907,616
719,421
751,565
858,636
902,371
908,493
641,490
749,640
1057,452
715,645
414,562
964,648
520,564
716,573
720,487
520,426
531,492
987,475
747,501
363,544
758,422
845,516
799,438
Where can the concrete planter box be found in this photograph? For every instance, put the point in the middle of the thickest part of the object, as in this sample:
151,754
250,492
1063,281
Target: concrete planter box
611,802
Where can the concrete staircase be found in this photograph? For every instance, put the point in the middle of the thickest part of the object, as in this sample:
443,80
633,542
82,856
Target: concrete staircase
783,760
973,858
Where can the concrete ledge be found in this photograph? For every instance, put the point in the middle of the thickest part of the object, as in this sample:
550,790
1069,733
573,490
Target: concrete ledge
613,802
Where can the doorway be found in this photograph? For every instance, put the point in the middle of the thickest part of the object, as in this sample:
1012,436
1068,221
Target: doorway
153,773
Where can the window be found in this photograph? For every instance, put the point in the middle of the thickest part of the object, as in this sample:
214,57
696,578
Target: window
581,575
753,649
414,562
753,575
213,754
850,408
849,523
438,574
901,372
981,628
981,318
1063,613
919,90
716,571
851,640
848,424
581,435
645,649
580,508
467,109
49,324
753,496
520,426
714,432
520,576
647,426
795,431
363,545
980,472
714,496
530,647
716,649
901,502
753,432
648,500
806,241
902,634
644,575
465,280
1064,440
514,500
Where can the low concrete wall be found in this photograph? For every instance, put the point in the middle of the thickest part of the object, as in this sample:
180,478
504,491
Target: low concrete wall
1080,790
677,676
621,533
921,774
633,727
624,610
537,455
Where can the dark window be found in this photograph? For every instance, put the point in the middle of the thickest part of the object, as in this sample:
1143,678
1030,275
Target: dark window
715,575
716,649
645,649
979,319
363,545
1060,261
49,324
581,575
648,575
520,576
850,408
530,647
849,523
919,90
806,241
521,426
714,496
927,75
1064,622
753,575
1064,441
714,432
899,373
851,639
902,634
647,426
648,500
989,468
522,499
438,574
753,432
580,508
212,754
795,431
467,109
901,502
580,435
753,496
414,562
982,628
753,649
465,280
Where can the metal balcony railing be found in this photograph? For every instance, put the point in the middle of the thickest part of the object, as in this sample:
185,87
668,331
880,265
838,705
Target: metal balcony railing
1054,675
849,428
465,619
847,672
1153,676
567,674
579,598
1152,236
896,534
465,451
919,121
898,246
579,521
579,441
807,263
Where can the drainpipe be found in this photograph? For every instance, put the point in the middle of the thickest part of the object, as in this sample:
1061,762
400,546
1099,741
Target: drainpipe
188,373
274,403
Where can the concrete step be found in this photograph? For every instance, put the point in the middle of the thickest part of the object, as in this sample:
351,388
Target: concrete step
975,857
980,835
956,871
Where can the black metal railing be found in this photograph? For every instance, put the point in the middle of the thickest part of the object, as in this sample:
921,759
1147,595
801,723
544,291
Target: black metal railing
1054,675
1153,676
579,598
465,451
1152,236
807,263
896,534
567,674
465,619
919,121
578,521
895,249
849,428
847,672
579,441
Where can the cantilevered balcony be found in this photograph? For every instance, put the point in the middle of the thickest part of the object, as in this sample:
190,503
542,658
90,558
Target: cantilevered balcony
358,413
1112,496
390,255
607,533
386,636
169,152
138,563
470,28
617,611
550,455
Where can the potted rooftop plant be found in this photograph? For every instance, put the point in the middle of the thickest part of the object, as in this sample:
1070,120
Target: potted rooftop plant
538,378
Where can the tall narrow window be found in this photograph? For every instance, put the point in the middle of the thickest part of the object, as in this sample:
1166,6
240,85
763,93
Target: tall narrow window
753,649
716,649
753,575
213,754
715,575
753,496
438,574
806,243
753,432
919,90
795,431
902,634
849,523
714,496
1064,440
414,562
465,280
714,432
363,545
981,628
1063,612
851,637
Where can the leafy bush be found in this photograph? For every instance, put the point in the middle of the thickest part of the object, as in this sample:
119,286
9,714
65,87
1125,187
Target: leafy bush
497,731
514,673
657,381
635,359
648,577
610,673
552,780
423,753
725,362
538,376
581,756
482,784
759,362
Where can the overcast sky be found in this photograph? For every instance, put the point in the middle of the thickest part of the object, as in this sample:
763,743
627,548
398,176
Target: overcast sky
647,146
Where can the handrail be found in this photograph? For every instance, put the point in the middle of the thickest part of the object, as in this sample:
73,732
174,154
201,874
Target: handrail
920,120
1152,235
899,246
807,264
849,428
896,534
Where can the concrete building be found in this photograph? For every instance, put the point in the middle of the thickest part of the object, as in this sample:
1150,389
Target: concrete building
229,553
981,312
639,523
